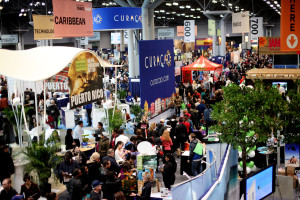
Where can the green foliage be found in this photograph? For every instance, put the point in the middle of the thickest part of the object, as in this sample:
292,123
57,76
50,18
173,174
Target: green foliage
10,114
41,157
121,94
116,120
244,110
137,111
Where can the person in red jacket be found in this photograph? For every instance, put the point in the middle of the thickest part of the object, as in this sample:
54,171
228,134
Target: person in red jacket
166,141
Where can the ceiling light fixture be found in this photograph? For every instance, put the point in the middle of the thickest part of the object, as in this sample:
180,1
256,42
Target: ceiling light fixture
193,9
181,7
188,6
175,4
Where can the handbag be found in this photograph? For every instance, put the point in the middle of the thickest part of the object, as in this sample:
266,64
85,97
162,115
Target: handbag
183,106
198,149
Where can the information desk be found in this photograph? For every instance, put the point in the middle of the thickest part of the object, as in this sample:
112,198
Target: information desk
88,150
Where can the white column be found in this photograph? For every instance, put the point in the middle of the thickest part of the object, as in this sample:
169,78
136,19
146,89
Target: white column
223,38
122,45
215,47
151,24
145,23
131,54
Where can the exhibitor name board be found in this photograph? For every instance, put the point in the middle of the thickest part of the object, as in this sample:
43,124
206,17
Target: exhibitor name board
117,18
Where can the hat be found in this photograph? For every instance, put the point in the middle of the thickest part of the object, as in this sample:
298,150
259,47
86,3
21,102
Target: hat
95,183
105,134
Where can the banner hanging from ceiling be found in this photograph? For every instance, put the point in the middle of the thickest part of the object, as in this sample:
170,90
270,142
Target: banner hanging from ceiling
271,46
290,25
165,32
240,22
180,30
85,80
157,74
211,27
189,30
43,27
117,18
72,18
256,28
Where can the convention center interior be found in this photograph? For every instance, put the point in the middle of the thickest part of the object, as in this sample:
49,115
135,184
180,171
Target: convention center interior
149,99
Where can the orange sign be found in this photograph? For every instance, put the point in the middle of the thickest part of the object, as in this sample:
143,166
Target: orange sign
290,25
72,18
271,46
180,30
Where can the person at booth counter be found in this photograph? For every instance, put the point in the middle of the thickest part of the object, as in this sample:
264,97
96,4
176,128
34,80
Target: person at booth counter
78,132
98,132
169,171
69,142
129,98
146,191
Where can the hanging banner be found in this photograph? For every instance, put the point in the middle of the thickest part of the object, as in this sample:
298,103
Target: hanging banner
117,18
180,30
165,32
125,36
290,25
256,28
157,74
189,30
211,27
240,22
95,37
217,74
85,80
218,32
43,27
115,38
204,41
72,18
9,39
271,46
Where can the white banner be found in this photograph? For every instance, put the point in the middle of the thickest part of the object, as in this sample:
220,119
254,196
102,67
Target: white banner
240,22
165,32
189,30
256,28
9,39
125,36
211,27
115,38
96,37
84,40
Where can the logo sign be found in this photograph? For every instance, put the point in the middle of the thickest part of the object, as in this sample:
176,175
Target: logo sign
125,36
117,18
96,37
72,18
256,28
43,27
9,39
290,25
271,46
157,73
211,27
115,38
189,30
165,32
240,22
180,30
85,80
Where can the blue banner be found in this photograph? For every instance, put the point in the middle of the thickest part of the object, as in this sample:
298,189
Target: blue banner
117,18
157,74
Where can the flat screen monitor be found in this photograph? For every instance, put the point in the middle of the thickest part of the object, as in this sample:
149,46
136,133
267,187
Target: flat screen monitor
282,84
260,184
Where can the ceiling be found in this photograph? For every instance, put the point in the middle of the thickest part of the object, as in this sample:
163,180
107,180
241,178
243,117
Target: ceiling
15,15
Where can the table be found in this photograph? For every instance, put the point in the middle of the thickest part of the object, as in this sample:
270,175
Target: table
89,131
67,117
184,165
157,196
88,150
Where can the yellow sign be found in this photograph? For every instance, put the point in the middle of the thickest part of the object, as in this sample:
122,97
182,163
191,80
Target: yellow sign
80,65
43,27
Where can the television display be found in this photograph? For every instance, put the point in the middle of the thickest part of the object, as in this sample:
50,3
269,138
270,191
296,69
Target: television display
282,84
261,184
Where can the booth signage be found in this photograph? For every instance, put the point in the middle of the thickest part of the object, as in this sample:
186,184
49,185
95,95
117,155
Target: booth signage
84,41
180,30
211,27
72,18
9,39
189,30
165,32
256,28
290,25
95,37
117,18
125,36
157,73
85,80
43,27
240,22
271,46
115,38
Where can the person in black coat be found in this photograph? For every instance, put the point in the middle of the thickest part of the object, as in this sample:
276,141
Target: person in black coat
7,167
110,157
112,185
69,142
77,189
146,190
169,171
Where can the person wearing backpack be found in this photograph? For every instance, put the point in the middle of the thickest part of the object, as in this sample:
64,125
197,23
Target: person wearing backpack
196,153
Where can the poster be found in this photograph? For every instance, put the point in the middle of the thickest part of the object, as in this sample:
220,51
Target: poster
211,27
117,18
187,76
59,82
256,28
204,41
115,38
271,46
72,18
43,27
292,154
189,30
240,22
217,74
85,80
157,73
146,162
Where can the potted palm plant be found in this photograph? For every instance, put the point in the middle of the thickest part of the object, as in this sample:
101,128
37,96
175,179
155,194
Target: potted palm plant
42,158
